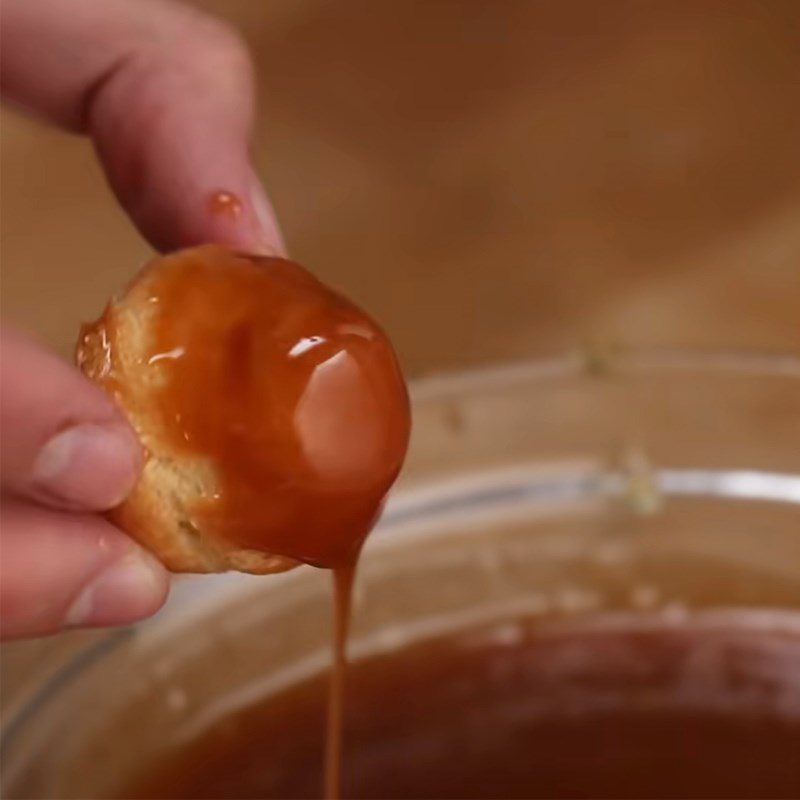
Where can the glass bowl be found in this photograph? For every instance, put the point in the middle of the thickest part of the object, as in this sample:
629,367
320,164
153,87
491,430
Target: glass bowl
637,514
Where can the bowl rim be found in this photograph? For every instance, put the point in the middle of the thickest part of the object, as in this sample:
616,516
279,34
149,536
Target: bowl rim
590,362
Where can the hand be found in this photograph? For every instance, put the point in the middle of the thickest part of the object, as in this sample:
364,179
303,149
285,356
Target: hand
165,93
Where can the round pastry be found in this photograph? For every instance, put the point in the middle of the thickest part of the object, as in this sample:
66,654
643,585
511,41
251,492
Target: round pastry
272,411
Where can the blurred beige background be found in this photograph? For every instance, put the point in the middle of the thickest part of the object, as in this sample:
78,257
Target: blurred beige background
491,179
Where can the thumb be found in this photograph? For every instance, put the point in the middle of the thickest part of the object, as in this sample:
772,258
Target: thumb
64,570
63,442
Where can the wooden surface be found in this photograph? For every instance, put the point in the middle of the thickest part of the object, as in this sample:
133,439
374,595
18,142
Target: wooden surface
490,179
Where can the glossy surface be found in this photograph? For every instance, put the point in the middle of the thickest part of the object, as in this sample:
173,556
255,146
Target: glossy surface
225,203
504,712
291,392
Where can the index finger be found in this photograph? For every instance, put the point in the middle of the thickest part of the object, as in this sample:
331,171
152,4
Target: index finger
166,93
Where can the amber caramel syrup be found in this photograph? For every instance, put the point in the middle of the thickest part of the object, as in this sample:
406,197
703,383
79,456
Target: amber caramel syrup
511,709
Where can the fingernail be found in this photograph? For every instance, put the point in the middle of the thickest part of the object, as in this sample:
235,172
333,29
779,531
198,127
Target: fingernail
128,589
90,466
270,239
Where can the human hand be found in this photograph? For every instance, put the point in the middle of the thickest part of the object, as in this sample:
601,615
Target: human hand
165,93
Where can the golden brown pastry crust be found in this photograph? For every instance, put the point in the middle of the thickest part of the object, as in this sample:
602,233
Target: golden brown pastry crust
158,513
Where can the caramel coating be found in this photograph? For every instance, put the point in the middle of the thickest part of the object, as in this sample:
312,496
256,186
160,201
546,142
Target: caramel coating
278,405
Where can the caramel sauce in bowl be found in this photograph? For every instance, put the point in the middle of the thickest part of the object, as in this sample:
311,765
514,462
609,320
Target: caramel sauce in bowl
585,583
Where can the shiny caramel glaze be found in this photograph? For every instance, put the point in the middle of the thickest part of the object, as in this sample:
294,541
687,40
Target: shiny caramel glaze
224,203
289,392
